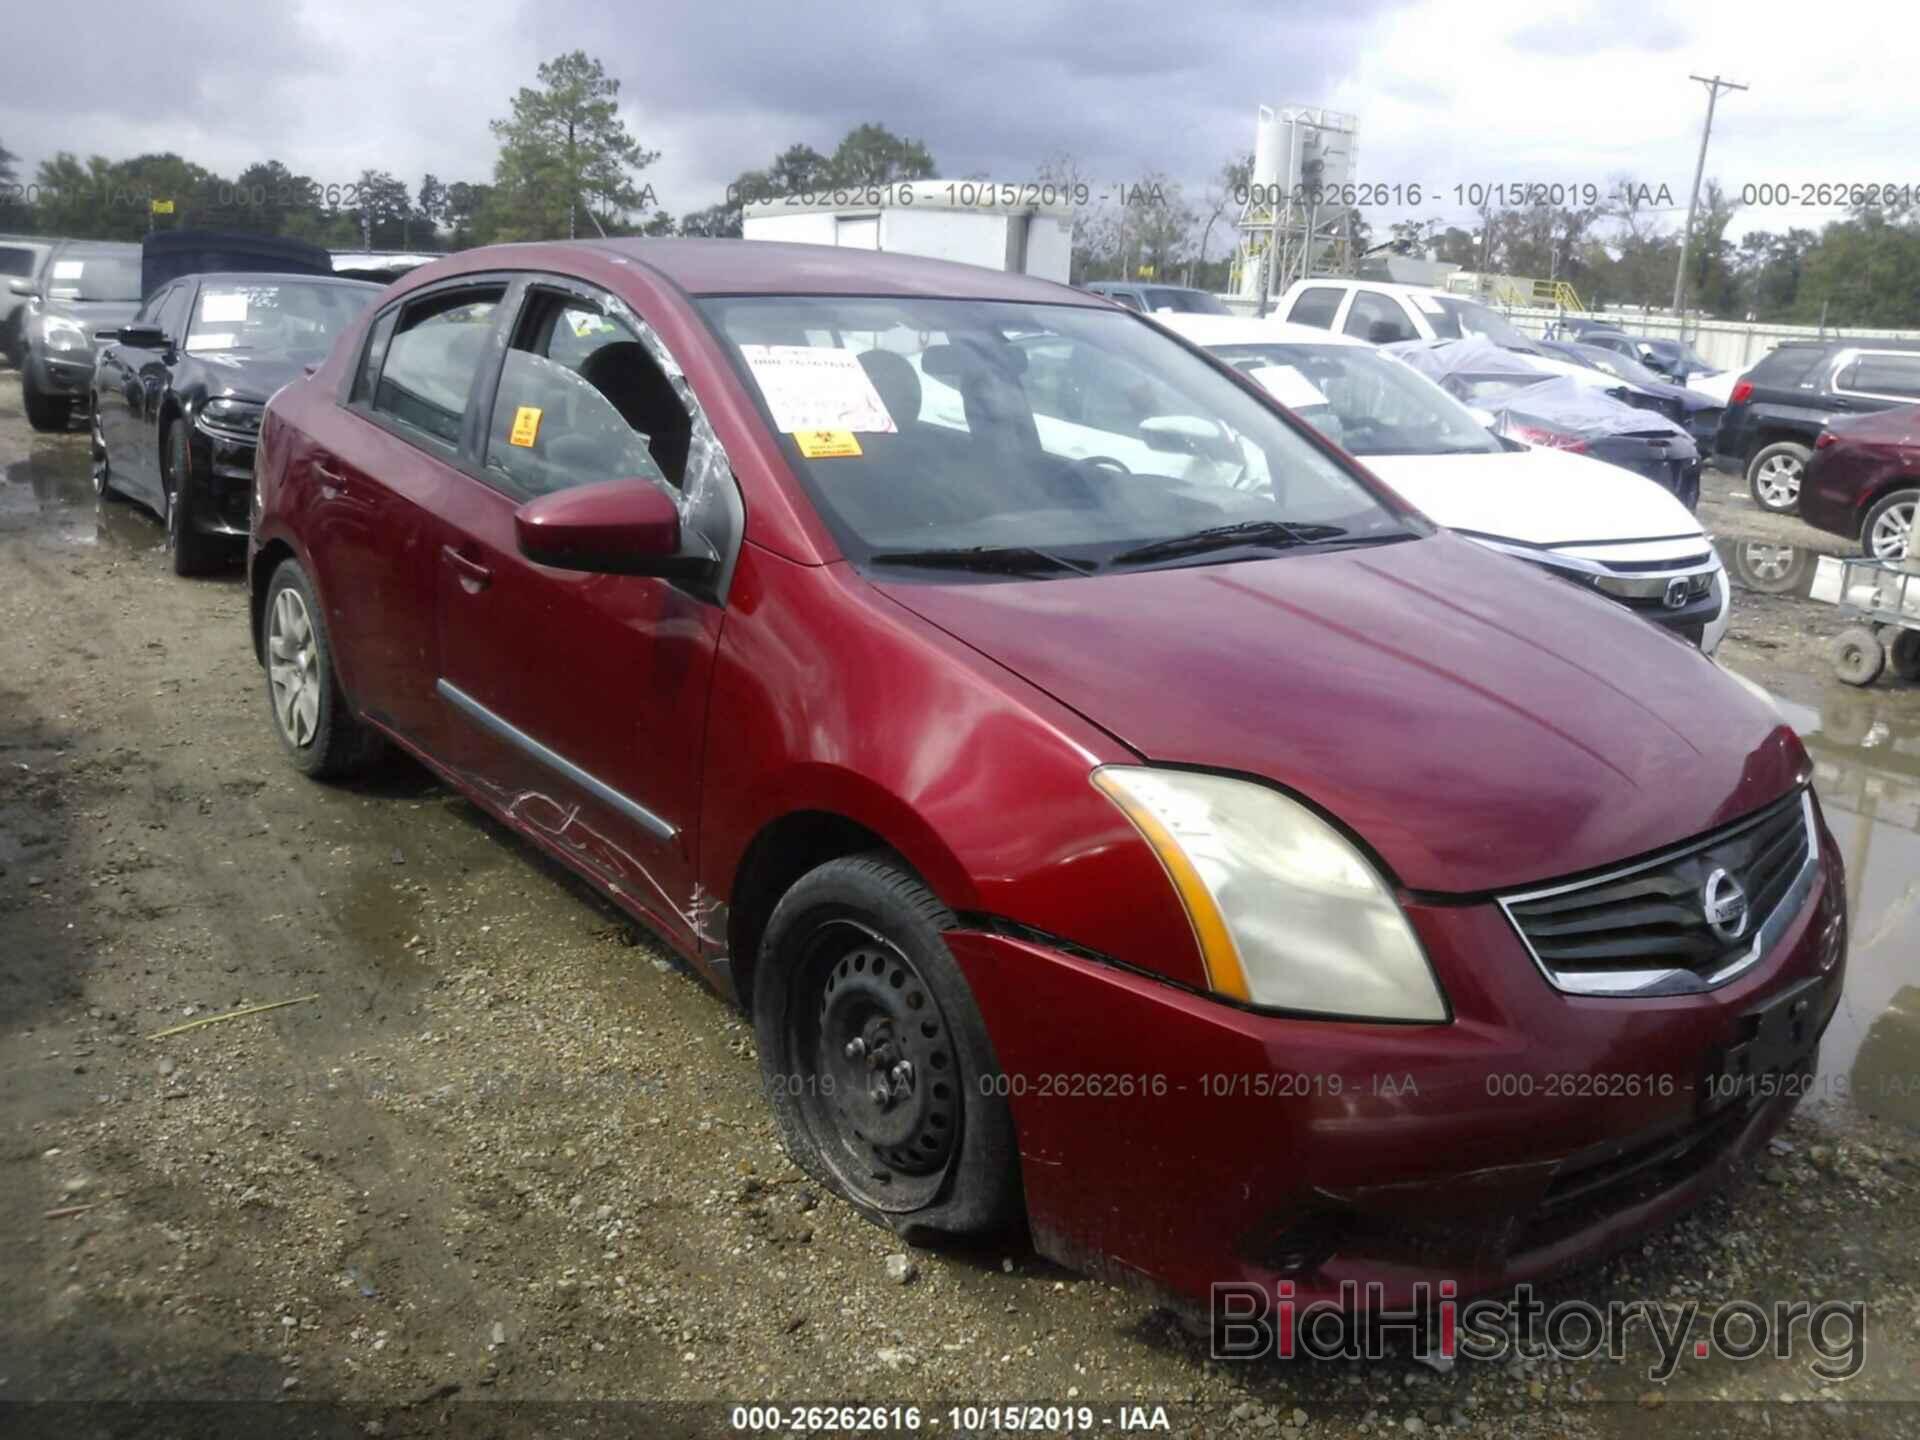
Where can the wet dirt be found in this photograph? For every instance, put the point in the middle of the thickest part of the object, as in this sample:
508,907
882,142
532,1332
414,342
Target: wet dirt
511,1152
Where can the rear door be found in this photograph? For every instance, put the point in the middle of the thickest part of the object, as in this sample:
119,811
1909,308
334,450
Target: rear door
379,487
577,701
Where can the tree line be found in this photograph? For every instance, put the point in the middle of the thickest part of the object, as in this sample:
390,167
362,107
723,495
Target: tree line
568,166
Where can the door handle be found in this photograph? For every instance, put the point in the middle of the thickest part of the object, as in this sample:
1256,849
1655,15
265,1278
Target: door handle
474,577
332,484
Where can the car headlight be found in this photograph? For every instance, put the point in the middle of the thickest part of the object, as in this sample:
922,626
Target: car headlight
237,417
1288,913
61,333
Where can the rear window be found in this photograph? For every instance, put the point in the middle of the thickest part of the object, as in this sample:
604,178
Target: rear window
1315,307
16,260
1787,366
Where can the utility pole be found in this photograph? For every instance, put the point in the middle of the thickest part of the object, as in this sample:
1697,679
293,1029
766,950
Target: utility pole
1714,87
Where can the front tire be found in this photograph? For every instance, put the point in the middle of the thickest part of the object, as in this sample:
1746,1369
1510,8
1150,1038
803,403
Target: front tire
1775,475
875,1057
194,551
317,727
49,414
1885,531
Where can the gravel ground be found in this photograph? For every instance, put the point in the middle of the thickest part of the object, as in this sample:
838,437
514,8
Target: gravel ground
504,1151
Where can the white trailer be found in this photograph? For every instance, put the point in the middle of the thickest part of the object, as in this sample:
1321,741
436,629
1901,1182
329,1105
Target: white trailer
1025,229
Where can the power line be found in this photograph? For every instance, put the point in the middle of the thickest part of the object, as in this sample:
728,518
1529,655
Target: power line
1714,87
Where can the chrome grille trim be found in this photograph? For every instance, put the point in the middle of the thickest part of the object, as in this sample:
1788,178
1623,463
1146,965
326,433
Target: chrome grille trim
1678,980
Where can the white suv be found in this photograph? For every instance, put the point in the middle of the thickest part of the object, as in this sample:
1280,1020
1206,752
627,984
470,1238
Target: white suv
1594,524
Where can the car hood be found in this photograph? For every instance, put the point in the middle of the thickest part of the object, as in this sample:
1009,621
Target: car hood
1538,496
251,374
1478,722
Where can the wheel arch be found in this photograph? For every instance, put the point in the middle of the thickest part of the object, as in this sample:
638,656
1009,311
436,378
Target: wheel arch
809,832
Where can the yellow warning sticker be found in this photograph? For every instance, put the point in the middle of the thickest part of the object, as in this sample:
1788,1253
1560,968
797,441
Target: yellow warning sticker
526,426
826,444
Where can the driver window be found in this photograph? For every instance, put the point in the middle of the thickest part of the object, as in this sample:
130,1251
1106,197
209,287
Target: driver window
581,400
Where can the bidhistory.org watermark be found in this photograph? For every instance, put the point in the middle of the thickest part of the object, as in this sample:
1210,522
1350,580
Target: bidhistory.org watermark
1250,1321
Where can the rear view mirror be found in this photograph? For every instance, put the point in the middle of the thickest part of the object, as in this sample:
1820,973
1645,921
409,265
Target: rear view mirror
1189,435
617,527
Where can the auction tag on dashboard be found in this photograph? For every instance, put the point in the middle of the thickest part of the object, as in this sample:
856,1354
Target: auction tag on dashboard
1287,385
826,444
224,309
68,269
815,387
526,427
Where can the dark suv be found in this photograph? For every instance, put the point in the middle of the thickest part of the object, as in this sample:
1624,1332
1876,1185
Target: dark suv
1777,410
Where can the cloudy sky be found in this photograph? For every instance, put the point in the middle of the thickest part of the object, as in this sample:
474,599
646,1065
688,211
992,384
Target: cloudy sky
1568,91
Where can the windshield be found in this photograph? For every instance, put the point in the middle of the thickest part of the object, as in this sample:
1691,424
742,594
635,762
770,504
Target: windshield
1453,319
273,314
1364,403
1614,363
94,275
1187,302
965,426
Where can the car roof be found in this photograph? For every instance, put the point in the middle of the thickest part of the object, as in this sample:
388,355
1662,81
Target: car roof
280,277
1388,287
780,267
1208,330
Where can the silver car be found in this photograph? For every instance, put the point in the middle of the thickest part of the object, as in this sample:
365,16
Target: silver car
85,286
20,260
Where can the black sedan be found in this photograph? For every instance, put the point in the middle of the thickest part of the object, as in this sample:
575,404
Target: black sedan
178,392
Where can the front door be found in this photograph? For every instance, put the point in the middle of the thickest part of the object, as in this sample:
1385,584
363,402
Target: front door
577,701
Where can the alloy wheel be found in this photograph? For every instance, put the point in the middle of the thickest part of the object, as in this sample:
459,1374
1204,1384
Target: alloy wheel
1778,481
97,448
1888,540
883,1100
293,668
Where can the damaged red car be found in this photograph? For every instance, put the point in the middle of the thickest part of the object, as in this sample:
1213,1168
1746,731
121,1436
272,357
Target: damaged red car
1117,810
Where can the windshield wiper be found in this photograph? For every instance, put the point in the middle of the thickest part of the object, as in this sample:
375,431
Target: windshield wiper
987,559
1270,533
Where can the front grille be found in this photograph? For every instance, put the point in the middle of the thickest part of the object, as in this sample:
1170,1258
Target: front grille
1644,929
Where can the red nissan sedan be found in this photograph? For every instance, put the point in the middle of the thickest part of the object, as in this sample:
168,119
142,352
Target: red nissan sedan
1116,809
1864,480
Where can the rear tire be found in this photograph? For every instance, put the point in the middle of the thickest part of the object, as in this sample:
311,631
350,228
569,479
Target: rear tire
316,725
194,551
1775,475
1885,531
875,1058
49,414
1858,656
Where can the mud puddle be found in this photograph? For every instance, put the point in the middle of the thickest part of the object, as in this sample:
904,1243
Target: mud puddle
50,494
1866,751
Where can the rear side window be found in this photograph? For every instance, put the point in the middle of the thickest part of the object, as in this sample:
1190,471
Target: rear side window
1883,374
1124,297
1378,319
1787,366
581,400
437,346
1315,307
16,260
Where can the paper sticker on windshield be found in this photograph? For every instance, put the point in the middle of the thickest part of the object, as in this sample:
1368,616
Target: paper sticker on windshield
826,444
526,427
224,309
1429,304
812,387
1287,385
68,269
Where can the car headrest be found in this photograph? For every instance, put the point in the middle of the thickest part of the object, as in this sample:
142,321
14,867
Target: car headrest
894,378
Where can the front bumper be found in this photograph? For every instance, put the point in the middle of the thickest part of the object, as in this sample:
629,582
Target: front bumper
1172,1141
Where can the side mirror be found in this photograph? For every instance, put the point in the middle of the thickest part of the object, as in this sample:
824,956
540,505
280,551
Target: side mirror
138,337
23,288
615,527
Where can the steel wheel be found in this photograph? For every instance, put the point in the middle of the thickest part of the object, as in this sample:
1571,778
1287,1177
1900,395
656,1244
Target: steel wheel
1776,481
1887,536
292,666
883,1099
